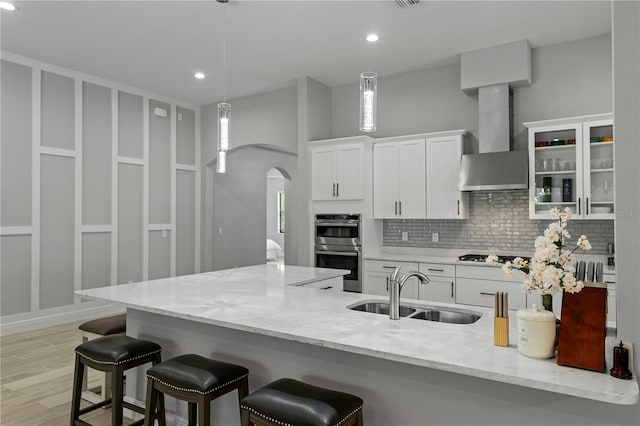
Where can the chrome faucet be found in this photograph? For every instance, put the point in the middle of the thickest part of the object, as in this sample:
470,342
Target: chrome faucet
397,282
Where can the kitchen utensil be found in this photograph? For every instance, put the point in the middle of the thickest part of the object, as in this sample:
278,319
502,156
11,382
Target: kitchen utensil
536,333
501,319
599,278
620,368
556,142
591,271
580,270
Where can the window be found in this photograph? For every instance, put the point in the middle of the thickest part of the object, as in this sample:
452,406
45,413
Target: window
281,212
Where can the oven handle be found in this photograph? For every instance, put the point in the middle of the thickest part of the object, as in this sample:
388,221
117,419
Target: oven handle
349,224
338,253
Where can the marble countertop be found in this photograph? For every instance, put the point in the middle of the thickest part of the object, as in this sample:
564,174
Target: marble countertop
264,299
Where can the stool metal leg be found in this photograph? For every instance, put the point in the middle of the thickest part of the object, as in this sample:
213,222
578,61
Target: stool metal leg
193,413
150,412
116,402
243,390
78,377
204,412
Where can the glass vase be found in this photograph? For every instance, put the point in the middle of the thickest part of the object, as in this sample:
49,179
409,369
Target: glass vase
547,302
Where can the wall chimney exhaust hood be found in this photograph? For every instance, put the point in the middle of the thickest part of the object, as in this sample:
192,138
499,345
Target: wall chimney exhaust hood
495,167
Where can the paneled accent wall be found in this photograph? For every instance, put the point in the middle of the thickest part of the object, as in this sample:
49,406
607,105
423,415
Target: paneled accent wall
498,221
97,188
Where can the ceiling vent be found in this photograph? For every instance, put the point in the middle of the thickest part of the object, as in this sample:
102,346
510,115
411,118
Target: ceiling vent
406,3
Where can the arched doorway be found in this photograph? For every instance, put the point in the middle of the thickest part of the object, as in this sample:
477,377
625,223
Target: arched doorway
275,217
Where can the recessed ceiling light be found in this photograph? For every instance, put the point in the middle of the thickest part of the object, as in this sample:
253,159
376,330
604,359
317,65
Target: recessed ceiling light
199,75
373,37
6,5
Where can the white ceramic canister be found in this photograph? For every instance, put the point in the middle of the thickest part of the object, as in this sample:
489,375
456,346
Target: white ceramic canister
536,333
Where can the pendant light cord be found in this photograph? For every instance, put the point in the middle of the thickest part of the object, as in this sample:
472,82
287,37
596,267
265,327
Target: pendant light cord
224,54
369,47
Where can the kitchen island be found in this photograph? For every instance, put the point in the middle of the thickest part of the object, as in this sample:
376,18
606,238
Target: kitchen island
409,372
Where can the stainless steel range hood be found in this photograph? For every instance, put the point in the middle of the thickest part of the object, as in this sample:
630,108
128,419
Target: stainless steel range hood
495,167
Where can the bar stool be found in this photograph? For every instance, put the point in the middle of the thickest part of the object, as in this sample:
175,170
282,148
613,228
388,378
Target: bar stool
288,402
95,329
114,355
195,379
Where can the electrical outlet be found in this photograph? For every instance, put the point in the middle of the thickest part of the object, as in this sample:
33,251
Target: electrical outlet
179,116
434,237
164,233
220,232
405,236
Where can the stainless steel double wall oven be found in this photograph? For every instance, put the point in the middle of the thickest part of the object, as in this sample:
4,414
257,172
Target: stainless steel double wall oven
338,246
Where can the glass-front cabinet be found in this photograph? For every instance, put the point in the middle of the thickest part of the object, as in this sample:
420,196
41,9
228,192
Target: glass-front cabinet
571,165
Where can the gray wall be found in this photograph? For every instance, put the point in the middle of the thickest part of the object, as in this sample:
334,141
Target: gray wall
626,65
274,185
499,225
239,205
71,255
569,79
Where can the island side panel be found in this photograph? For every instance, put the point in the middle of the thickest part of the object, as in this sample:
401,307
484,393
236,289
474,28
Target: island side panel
394,393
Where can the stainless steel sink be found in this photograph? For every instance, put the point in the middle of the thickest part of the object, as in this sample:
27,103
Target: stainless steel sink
381,308
422,312
452,317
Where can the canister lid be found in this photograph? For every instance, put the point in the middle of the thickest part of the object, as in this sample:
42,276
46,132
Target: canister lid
534,314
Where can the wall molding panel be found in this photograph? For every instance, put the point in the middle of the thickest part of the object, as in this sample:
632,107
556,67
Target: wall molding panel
35,317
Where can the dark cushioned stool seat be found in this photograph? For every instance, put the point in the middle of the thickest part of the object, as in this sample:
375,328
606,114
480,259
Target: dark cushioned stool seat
117,349
106,326
290,402
196,373
112,355
195,379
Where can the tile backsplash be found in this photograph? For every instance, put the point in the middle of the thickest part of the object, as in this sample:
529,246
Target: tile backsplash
498,221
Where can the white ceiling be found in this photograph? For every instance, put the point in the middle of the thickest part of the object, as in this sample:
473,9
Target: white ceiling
158,45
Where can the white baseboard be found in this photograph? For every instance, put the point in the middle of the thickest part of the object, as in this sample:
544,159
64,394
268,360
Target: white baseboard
29,321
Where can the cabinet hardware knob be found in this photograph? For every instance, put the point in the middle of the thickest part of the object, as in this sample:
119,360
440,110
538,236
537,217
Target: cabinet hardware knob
458,207
400,208
338,189
333,193
396,210
452,295
487,294
435,270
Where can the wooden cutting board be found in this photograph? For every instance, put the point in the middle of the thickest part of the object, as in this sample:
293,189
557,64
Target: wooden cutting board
583,328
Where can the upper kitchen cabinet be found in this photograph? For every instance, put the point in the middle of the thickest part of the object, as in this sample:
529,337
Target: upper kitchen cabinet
337,169
444,199
399,178
571,165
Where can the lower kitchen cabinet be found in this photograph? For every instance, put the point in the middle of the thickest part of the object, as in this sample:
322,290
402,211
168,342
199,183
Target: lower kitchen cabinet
477,285
377,276
442,287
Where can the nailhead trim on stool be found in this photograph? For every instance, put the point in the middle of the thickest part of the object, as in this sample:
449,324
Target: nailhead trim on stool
289,402
195,379
125,352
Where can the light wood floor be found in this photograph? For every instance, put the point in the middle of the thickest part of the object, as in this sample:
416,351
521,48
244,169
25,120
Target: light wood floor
36,377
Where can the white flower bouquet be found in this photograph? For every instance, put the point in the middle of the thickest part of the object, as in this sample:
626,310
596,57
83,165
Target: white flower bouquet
552,266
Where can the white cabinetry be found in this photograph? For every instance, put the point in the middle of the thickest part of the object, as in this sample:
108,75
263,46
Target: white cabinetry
444,200
571,165
378,272
337,170
442,287
477,285
399,179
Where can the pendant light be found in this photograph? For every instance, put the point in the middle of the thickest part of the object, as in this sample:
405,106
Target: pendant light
224,109
369,90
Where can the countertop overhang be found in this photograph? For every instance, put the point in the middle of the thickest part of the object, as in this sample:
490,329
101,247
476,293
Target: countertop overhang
272,300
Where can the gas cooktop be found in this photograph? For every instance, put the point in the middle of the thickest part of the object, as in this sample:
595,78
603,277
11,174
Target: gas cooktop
483,258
